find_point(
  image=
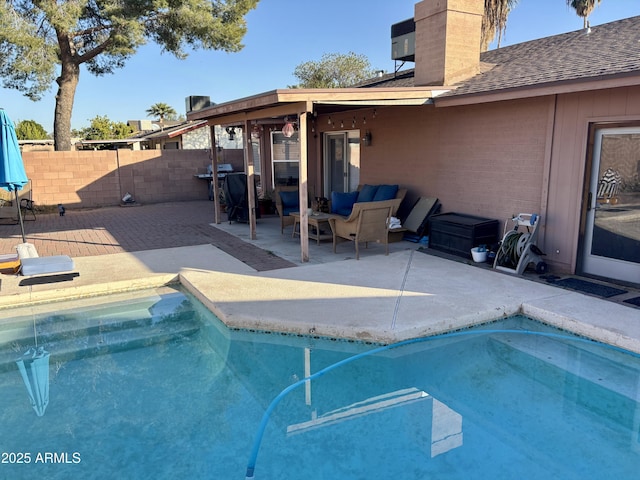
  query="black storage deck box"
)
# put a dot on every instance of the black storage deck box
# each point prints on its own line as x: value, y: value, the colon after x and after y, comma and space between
x: 458, y: 233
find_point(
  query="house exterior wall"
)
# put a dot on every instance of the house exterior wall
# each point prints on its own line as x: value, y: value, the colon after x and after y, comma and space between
x: 496, y: 159
x: 83, y: 179
x: 199, y: 138
x: 483, y: 160
x: 569, y: 160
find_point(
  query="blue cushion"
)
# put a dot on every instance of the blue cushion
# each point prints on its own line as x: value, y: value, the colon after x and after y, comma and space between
x: 385, y: 192
x: 290, y: 202
x: 367, y: 193
x: 342, y: 203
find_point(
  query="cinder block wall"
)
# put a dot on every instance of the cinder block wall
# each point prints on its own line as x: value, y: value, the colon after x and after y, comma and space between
x: 85, y: 179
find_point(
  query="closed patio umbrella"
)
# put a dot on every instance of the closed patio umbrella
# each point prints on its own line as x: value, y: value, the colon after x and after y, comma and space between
x: 34, y: 368
x: 12, y: 174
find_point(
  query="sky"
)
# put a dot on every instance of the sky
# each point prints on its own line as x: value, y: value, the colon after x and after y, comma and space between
x: 281, y: 34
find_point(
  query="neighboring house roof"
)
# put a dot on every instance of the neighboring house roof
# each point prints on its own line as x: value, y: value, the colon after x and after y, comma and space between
x: 606, y: 51
x: 168, y: 132
x: 177, y: 130
x: 46, y: 141
x: 116, y: 141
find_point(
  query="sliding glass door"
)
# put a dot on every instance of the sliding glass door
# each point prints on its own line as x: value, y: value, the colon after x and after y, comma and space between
x: 341, y: 161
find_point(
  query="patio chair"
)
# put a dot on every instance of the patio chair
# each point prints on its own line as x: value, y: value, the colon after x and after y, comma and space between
x: 287, y: 202
x: 415, y: 225
x: 9, y: 209
x: 27, y: 205
x: 368, y: 222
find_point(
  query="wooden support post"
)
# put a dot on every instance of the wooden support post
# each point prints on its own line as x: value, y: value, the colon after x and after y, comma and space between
x: 251, y: 181
x: 214, y: 173
x: 303, y: 188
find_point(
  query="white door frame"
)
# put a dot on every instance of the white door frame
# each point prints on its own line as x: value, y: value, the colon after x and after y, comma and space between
x: 595, y: 264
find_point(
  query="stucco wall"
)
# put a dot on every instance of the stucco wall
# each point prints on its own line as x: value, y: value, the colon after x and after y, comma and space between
x: 569, y: 160
x: 199, y: 138
x: 82, y: 179
x: 483, y: 160
x: 494, y: 159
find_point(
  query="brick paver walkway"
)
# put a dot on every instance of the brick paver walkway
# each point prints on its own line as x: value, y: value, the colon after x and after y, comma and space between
x: 108, y: 230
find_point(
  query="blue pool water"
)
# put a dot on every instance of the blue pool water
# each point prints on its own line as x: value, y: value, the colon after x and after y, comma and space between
x: 154, y: 386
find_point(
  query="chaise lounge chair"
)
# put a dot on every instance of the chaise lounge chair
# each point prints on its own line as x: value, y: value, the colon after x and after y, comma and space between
x: 415, y: 225
x: 368, y: 222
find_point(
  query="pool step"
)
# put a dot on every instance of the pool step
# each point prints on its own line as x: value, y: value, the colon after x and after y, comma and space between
x: 69, y: 343
x: 90, y: 320
x: 588, y: 362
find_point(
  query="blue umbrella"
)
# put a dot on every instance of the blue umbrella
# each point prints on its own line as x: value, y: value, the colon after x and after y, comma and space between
x: 12, y: 174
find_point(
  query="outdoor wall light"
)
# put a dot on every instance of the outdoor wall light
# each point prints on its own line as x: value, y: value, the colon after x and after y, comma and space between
x: 231, y: 131
x: 366, y: 139
x: 288, y: 129
x: 255, y: 132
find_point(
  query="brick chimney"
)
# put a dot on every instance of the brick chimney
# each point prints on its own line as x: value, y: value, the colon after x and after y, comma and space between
x: 447, y: 40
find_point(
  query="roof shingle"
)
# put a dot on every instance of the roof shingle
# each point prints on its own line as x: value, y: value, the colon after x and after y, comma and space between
x: 603, y: 51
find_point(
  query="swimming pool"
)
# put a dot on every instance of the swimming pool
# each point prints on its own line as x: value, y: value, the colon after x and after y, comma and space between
x: 154, y: 386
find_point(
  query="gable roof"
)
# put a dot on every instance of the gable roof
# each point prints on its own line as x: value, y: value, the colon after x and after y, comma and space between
x: 603, y: 52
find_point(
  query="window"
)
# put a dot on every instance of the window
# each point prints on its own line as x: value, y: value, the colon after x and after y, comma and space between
x: 285, y: 159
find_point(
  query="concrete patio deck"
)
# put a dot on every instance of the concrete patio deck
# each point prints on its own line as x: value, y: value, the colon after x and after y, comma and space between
x: 262, y: 283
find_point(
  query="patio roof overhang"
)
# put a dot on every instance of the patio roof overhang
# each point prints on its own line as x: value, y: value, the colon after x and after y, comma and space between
x: 277, y: 104
x: 280, y: 103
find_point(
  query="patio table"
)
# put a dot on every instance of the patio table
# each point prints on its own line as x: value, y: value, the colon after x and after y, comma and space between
x: 319, y: 221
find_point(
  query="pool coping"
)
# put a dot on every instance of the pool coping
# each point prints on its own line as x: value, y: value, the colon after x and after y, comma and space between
x: 381, y: 299
x: 409, y: 301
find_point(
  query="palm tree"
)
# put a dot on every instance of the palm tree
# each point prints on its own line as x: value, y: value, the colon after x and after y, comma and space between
x: 494, y: 21
x: 162, y: 111
x: 583, y: 8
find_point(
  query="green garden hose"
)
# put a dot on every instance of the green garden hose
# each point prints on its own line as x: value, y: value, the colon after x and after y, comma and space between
x: 509, y: 248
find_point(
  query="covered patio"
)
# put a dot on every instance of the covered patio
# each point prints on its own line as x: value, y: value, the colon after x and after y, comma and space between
x: 287, y: 246
x: 303, y: 109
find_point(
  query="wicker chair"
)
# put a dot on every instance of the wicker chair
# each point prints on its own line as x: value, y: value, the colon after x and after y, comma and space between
x: 368, y: 222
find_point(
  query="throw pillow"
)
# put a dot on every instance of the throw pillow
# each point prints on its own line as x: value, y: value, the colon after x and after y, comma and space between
x: 367, y: 193
x: 342, y: 203
x: 385, y: 192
